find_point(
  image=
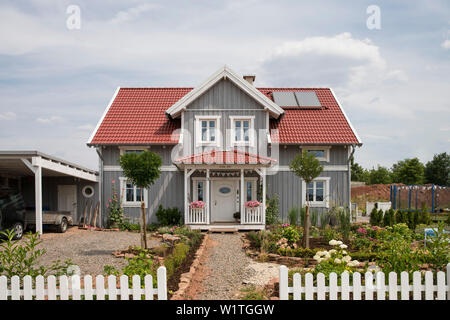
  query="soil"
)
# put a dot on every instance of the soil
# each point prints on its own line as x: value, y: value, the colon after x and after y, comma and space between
x: 174, y: 280
x: 196, y: 285
x: 381, y: 192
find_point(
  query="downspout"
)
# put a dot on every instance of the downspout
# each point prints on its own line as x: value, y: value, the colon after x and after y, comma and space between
x: 100, y: 184
x: 349, y: 170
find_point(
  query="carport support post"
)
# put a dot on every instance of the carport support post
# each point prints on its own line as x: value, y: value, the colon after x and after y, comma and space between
x: 38, y: 198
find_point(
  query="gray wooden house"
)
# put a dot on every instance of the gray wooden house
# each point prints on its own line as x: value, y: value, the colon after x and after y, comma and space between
x: 225, y: 143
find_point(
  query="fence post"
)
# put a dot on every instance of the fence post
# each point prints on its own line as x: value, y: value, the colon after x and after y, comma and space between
x: 162, y: 283
x: 409, y: 198
x: 284, y: 294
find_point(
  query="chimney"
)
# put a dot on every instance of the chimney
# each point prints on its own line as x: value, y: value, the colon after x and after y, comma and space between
x: 250, y: 78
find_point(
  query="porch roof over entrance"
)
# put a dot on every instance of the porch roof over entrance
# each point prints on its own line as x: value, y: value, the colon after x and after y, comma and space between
x: 234, y: 157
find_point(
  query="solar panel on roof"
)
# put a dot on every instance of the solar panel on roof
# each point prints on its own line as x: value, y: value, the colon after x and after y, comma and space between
x: 284, y: 98
x: 307, y: 99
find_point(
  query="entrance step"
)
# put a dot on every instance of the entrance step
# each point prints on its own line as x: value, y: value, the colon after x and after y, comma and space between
x: 223, y: 230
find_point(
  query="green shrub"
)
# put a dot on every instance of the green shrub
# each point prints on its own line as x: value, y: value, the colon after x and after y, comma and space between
x: 141, y: 265
x: 388, y: 219
x: 20, y: 257
x: 298, y: 252
x: 314, y: 217
x: 169, y: 216
x: 344, y: 224
x: 272, y: 210
x: 291, y: 234
x: 177, y: 257
x: 329, y: 233
x: 293, y: 215
x: 439, y: 248
x: 375, y: 219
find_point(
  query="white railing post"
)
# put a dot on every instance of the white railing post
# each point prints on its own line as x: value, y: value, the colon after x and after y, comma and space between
x: 284, y: 294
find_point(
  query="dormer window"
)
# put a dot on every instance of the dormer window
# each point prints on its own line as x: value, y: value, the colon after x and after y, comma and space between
x: 207, y: 130
x: 242, y: 130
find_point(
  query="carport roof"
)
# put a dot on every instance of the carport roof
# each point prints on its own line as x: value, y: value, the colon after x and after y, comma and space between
x: 11, y: 163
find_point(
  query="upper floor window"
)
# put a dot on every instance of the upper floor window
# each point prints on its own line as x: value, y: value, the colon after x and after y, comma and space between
x: 207, y: 130
x: 321, y: 153
x: 132, y: 149
x: 242, y: 130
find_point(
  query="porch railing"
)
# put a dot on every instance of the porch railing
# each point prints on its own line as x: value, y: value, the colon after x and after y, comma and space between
x: 253, y: 215
x: 196, y: 216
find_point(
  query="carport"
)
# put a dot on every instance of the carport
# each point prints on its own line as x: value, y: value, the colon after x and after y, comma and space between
x: 18, y: 167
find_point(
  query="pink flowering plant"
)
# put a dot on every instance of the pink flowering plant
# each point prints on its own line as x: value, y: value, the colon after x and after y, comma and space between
x: 197, y: 205
x: 252, y: 204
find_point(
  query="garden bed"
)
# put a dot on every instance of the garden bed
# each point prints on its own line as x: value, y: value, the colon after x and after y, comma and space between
x: 173, y: 282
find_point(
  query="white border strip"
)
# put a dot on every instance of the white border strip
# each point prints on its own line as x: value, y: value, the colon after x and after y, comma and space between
x: 342, y: 167
x: 119, y: 168
x: 280, y: 168
x: 346, y: 118
x: 103, y: 116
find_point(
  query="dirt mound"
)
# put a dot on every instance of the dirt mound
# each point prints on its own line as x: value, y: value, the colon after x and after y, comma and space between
x: 376, y: 191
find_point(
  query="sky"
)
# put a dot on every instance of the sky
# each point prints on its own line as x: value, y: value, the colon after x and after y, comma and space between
x: 393, y: 81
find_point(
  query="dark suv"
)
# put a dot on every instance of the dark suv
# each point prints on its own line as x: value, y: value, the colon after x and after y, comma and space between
x: 12, y: 212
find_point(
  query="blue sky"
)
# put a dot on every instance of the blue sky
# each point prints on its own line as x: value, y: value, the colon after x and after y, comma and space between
x: 394, y: 83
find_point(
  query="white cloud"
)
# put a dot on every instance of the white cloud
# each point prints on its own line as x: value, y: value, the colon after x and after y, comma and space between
x: 87, y: 127
x: 131, y: 13
x: 49, y: 120
x: 8, y: 116
x: 446, y: 44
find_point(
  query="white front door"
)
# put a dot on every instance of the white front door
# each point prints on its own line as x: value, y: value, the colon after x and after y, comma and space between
x: 67, y: 198
x: 223, y: 200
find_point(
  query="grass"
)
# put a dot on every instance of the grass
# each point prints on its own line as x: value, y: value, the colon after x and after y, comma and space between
x: 254, y: 293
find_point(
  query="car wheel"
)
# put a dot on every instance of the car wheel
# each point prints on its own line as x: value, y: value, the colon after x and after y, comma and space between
x: 63, y: 225
x: 18, y: 230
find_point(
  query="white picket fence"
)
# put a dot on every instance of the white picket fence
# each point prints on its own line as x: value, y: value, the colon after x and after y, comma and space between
x: 306, y: 290
x: 72, y: 288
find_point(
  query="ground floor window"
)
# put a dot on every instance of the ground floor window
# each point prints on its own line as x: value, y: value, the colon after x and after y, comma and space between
x: 316, y: 192
x: 131, y: 195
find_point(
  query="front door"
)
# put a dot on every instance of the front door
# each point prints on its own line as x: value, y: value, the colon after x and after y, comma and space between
x: 223, y: 200
x: 67, y: 199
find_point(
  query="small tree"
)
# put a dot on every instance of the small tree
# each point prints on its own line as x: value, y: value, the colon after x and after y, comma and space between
x: 142, y: 170
x: 307, y: 167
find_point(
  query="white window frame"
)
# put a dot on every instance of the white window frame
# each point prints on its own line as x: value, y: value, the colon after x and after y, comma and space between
x: 131, y: 204
x: 198, y: 130
x: 326, y: 193
x: 195, y: 189
x: 326, y: 150
x: 137, y: 148
x: 251, y: 131
x: 254, y: 188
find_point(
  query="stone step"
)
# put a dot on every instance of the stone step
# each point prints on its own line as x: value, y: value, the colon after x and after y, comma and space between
x: 223, y: 230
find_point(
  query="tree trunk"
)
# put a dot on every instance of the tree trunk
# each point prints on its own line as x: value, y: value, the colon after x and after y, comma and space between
x: 143, y: 227
x: 306, y: 228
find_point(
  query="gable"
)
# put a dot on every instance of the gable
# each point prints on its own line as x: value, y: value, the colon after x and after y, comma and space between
x: 224, y: 73
x: 225, y: 95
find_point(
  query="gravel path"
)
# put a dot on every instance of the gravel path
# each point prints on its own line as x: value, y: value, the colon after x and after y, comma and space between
x: 229, y: 269
x: 90, y: 250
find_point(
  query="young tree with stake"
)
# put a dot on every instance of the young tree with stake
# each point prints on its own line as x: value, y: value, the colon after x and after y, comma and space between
x: 307, y: 167
x: 141, y: 169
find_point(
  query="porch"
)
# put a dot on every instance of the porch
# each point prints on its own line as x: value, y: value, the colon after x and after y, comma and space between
x: 225, y: 195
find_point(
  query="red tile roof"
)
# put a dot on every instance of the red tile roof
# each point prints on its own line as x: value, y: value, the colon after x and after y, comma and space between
x: 137, y: 116
x: 224, y: 157
x: 312, y: 126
